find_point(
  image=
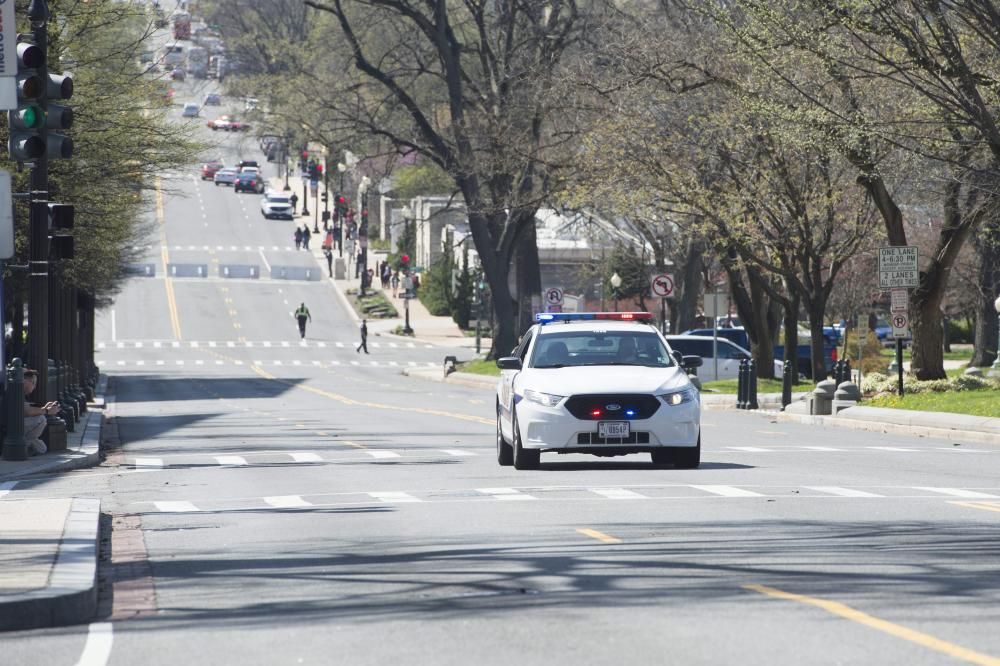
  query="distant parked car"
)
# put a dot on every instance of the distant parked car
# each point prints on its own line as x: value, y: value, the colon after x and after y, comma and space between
x: 191, y: 110
x: 730, y: 354
x: 213, y: 99
x: 225, y: 177
x: 209, y: 169
x: 249, y: 182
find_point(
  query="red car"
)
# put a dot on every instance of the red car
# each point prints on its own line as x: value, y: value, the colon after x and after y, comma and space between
x: 208, y: 169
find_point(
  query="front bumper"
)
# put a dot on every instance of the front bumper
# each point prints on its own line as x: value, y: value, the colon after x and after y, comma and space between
x: 555, y: 429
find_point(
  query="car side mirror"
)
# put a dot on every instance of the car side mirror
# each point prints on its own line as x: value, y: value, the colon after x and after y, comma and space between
x: 678, y: 357
x: 692, y: 362
x: 509, y: 363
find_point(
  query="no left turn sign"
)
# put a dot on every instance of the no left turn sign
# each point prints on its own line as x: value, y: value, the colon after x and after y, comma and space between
x: 662, y: 285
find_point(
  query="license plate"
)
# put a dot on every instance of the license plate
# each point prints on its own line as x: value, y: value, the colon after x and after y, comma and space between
x: 608, y: 429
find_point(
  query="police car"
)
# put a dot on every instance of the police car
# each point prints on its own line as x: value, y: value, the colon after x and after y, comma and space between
x: 604, y: 383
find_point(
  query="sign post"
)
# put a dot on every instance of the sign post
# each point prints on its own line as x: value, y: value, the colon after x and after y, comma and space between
x: 662, y: 286
x: 899, y: 271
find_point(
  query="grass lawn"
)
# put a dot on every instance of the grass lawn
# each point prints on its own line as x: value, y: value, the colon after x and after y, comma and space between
x: 954, y: 355
x: 976, y: 403
x: 480, y: 367
x: 763, y: 386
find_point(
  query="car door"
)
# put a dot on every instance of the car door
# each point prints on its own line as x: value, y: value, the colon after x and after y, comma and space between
x: 729, y: 359
x: 507, y: 378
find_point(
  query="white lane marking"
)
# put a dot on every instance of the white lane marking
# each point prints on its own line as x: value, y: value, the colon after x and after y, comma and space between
x: 211, y: 343
x: 393, y: 345
x: 321, y: 345
x: 382, y: 454
x: 114, y: 327
x: 180, y: 362
x: 101, y: 345
x: 376, y: 344
x: 6, y: 487
x: 296, y: 362
x: 305, y: 457
x: 194, y: 345
x: 749, y: 449
x: 277, y: 362
x: 267, y: 344
x: 264, y: 259
x: 248, y: 344
x: 157, y: 345
x: 393, y: 363
x: 394, y: 497
x: 175, y: 507
x: 199, y: 362
x: 458, y: 452
x: 617, y: 493
x: 287, y: 501
x: 505, y: 494
x: 285, y: 343
x: 231, y: 460
x: 889, y: 448
x: 959, y: 449
x: 218, y: 362
x: 175, y: 344
x: 316, y: 363
x: 958, y: 492
x: 355, y: 363
x: 154, y: 463
x: 821, y: 448
x: 120, y: 345
x: 97, y: 649
x: 410, y: 345
x: 121, y: 362
x: 340, y: 345
x: 728, y: 491
x: 428, y: 346
x: 843, y: 492
x: 230, y: 343
x: 140, y: 363
x: 413, y: 363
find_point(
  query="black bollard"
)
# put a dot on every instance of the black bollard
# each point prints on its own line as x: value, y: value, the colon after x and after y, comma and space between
x: 848, y: 376
x: 14, y: 446
x: 787, y: 379
x: 752, y: 386
x: 741, y: 386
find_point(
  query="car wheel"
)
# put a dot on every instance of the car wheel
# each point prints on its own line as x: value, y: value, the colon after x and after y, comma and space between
x: 682, y: 457
x: 505, y: 453
x: 523, y: 458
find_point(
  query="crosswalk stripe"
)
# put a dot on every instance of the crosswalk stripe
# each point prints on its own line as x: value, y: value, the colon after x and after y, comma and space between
x: 505, y: 494
x: 231, y: 460
x: 958, y: 492
x: 321, y: 345
x: 306, y: 457
x: 843, y: 492
x: 194, y: 344
x: 340, y: 344
x: 285, y: 343
x: 175, y: 507
x: 458, y: 452
x: 617, y: 493
x: 890, y: 448
x: 100, y: 345
x: 821, y: 448
x: 728, y: 491
x: 287, y: 501
x: 394, y: 497
x: 382, y: 454
x: 155, y: 463
x: 230, y: 344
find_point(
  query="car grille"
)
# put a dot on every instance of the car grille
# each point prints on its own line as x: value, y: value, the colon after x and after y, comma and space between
x: 583, y: 406
x: 593, y: 438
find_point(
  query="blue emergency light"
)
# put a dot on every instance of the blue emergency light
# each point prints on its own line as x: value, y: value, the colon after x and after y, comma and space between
x: 553, y: 317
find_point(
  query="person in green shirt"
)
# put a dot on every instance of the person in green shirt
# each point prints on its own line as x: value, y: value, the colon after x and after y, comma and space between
x: 302, y: 314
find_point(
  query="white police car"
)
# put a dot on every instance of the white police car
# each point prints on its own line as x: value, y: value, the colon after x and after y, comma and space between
x: 604, y: 383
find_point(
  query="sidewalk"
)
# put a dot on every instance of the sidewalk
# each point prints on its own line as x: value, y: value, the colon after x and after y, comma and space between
x: 442, y: 331
x: 48, y: 565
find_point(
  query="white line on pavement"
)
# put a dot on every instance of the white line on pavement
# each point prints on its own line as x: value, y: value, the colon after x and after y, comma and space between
x: 97, y: 649
x: 618, y: 493
x: 505, y: 494
x: 287, y: 501
x: 306, y: 457
x: 890, y: 448
x: 382, y: 454
x: 175, y: 507
x: 394, y: 497
x: 958, y: 492
x: 231, y: 460
x: 843, y: 492
x: 728, y: 491
x: 154, y: 463
x: 458, y: 452
x: 264, y: 259
x: 749, y: 449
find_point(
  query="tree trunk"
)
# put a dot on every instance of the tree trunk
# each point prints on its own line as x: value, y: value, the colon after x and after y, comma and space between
x: 986, y: 338
x: 694, y: 264
x: 528, y: 275
x: 791, y: 330
x: 753, y: 305
x: 816, y: 340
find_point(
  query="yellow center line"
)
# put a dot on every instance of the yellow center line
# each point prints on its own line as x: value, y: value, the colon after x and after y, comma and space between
x: 175, y: 321
x: 985, y: 506
x: 600, y: 536
x: 891, y: 628
x: 375, y: 405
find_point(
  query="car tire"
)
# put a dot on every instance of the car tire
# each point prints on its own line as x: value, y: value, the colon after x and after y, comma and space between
x: 505, y: 452
x: 682, y: 457
x: 523, y: 458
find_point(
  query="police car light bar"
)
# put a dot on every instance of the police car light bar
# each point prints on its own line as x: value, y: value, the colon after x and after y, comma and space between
x: 552, y: 317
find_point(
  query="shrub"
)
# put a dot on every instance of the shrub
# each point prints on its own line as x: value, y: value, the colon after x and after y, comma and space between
x: 970, y: 383
x: 871, y: 361
x: 959, y: 331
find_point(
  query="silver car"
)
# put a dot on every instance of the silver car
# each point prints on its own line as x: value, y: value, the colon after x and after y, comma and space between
x: 225, y: 176
x: 276, y: 205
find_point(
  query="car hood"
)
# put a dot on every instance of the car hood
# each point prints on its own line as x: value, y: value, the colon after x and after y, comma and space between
x: 604, y: 379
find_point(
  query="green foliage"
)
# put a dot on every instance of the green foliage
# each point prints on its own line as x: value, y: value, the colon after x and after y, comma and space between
x: 435, y: 287
x: 480, y: 367
x: 625, y: 261
x: 422, y: 179
x: 977, y: 403
x: 871, y: 352
x: 373, y: 305
x: 960, y: 331
x: 464, y: 287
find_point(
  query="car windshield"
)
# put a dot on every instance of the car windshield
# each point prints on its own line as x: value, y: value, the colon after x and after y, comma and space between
x: 277, y: 198
x: 581, y: 348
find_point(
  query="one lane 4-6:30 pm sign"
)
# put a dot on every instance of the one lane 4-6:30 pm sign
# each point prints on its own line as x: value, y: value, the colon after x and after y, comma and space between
x: 898, y: 267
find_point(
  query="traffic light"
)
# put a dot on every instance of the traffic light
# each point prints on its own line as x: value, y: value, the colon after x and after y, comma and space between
x: 34, y: 116
x: 324, y: 197
x: 313, y: 171
x: 60, y: 224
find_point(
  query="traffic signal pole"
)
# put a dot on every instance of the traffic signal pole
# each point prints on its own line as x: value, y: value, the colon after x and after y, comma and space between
x: 38, y: 222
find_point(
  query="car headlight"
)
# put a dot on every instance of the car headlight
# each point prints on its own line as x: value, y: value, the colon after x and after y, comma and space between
x: 546, y: 399
x: 680, y: 397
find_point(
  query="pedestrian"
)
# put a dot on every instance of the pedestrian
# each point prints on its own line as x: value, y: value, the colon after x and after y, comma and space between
x: 328, y: 253
x: 416, y: 282
x: 35, y: 417
x: 364, y: 337
x: 358, y: 261
x: 371, y: 277
x: 298, y: 238
x: 302, y: 313
x: 328, y: 240
x: 395, y: 284
x: 295, y: 201
x: 305, y: 237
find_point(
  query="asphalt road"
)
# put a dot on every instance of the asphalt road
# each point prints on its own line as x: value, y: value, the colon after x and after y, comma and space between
x: 314, y: 511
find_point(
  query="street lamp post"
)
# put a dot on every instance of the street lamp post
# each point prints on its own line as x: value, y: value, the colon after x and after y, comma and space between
x: 616, y: 281
x: 285, y: 159
x: 363, y: 230
x: 338, y: 212
x: 995, y: 370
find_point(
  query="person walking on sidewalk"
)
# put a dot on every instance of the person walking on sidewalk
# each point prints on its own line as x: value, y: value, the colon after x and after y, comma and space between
x: 364, y: 337
x: 328, y: 253
x: 302, y: 314
x: 395, y: 284
x: 34, y: 417
x: 306, y: 234
x: 298, y: 238
x: 294, y: 199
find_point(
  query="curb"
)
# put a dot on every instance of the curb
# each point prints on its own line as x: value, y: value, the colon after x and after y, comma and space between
x: 71, y: 596
x: 892, y: 428
x: 463, y: 378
